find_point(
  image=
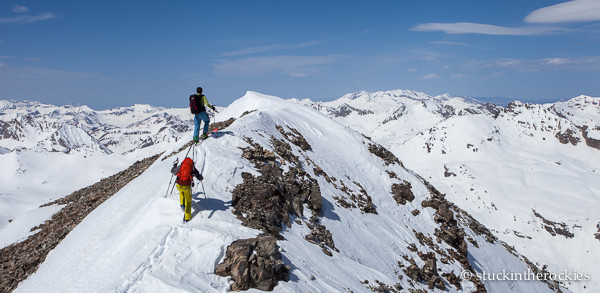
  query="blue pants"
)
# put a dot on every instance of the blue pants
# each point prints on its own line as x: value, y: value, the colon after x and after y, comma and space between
x: 200, y: 116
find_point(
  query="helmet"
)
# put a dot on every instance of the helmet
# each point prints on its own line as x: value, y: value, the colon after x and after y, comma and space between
x: 199, y: 90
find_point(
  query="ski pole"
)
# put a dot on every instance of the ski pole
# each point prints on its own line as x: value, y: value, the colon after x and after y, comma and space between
x: 186, y: 154
x: 171, y: 180
x: 169, y: 187
x: 214, y: 120
x: 203, y: 190
x: 172, y: 188
x: 193, y: 167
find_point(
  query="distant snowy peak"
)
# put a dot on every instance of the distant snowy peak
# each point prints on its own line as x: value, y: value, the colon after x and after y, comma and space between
x: 37, y: 108
x: 67, y: 128
x: 70, y: 137
x: 363, y: 95
x: 390, y: 102
x: 583, y: 109
x: 571, y: 122
x: 406, y: 113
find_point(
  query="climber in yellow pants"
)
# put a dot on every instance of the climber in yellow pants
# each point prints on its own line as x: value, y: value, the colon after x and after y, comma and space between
x: 185, y: 201
x: 185, y: 173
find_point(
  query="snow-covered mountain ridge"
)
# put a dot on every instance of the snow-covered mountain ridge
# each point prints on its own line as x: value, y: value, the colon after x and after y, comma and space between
x: 388, y: 229
x: 529, y: 172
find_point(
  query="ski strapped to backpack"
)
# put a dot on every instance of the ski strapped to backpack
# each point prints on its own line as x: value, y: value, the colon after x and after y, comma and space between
x: 197, y: 103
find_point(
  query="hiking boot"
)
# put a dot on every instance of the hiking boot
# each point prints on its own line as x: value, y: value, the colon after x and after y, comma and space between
x: 185, y: 221
x: 204, y: 136
x: 196, y: 139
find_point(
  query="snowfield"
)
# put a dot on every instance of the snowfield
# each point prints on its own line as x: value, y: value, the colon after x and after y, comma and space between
x: 136, y: 241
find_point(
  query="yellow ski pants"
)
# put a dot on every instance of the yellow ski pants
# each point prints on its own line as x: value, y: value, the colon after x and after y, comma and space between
x: 185, y: 197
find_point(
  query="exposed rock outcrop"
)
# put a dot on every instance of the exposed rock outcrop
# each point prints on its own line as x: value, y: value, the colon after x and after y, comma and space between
x: 254, y: 263
x: 567, y: 137
x: 387, y: 156
x: 590, y: 141
x: 428, y: 274
x: 450, y: 232
x: 223, y: 124
x: 295, y: 137
x: 381, y: 287
x: 320, y: 236
x: 554, y: 228
x: 402, y: 193
x: 268, y: 201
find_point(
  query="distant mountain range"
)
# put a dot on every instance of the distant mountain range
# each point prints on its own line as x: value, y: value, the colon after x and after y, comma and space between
x: 32, y: 125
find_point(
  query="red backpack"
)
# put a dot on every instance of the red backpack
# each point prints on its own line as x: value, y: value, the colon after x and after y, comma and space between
x: 184, y: 176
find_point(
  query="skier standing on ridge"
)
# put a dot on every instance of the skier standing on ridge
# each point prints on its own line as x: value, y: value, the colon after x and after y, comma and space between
x: 198, y: 102
x: 185, y: 173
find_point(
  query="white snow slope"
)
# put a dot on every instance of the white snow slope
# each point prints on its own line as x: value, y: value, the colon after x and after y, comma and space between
x: 135, y: 241
x: 502, y: 165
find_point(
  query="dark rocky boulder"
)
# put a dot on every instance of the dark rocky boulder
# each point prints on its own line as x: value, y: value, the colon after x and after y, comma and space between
x: 254, y: 263
x: 402, y: 193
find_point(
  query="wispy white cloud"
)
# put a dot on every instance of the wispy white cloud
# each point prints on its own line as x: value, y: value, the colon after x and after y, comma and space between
x: 19, y: 8
x: 458, y: 75
x: 279, y: 64
x: 571, y: 11
x: 449, y: 43
x: 486, y: 29
x: 23, y: 19
x: 557, y: 61
x: 413, y: 70
x: 591, y: 63
x: 270, y: 48
x: 508, y: 63
x: 430, y: 76
x: 295, y: 74
x: 427, y: 55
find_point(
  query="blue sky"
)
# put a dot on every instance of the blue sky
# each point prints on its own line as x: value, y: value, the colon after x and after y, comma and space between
x: 117, y: 53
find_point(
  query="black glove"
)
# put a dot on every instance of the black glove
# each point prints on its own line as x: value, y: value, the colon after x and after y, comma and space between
x: 213, y: 108
x: 200, y: 177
